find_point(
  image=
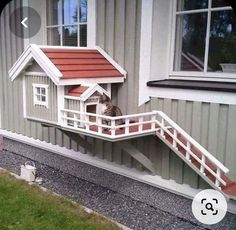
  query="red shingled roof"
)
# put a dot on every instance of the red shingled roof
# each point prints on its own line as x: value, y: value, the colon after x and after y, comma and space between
x: 77, y: 90
x: 75, y: 63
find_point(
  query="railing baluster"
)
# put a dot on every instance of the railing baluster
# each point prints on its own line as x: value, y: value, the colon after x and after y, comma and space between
x: 174, y: 141
x: 127, y: 126
x: 202, y: 168
x: 218, y: 173
x: 163, y: 124
x: 75, y: 122
x: 153, y: 124
x: 86, y: 122
x: 113, y: 129
x: 99, y: 122
x: 187, y: 152
x: 140, y: 126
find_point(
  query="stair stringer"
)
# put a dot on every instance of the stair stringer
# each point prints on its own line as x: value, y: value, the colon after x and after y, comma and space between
x: 189, y: 163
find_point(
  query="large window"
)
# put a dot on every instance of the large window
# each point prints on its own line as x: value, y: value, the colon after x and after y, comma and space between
x: 205, y: 37
x: 67, y: 22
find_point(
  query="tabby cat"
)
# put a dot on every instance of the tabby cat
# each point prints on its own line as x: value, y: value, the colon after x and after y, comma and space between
x: 108, y: 109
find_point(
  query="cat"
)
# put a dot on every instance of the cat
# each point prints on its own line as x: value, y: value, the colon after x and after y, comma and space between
x: 108, y: 109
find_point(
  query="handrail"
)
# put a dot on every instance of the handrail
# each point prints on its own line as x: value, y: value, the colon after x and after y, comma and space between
x: 193, y: 142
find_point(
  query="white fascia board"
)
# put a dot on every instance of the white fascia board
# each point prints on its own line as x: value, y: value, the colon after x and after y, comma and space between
x: 145, y: 50
x: 46, y: 64
x: 65, y: 47
x: 20, y: 64
x: 91, y: 90
x: 112, y: 61
x: 89, y: 81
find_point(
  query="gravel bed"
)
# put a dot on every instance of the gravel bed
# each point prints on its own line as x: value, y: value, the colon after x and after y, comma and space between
x: 123, y: 207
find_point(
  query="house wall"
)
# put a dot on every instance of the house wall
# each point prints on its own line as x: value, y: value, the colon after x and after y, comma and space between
x: 38, y: 111
x: 118, y: 32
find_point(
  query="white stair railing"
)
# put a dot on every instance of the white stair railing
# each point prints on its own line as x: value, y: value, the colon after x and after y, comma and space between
x: 166, y: 124
x: 146, y: 123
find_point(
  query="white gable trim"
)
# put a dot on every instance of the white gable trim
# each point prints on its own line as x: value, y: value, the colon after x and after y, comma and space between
x: 34, y: 52
x: 111, y: 60
x: 91, y: 90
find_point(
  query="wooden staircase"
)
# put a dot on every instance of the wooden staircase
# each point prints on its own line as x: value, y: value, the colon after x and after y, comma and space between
x: 197, y: 157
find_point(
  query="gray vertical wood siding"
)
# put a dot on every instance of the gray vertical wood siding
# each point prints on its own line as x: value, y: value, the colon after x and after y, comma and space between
x: 118, y: 32
x: 38, y: 111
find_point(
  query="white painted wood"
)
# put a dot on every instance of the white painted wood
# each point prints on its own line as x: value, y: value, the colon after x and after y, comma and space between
x: 35, y: 100
x: 84, y: 81
x: 193, y: 95
x: 41, y: 74
x: 91, y: 24
x: 24, y: 97
x: 145, y: 49
x: 61, y: 103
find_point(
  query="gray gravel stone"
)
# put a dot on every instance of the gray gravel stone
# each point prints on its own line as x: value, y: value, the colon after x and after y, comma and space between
x: 137, y: 205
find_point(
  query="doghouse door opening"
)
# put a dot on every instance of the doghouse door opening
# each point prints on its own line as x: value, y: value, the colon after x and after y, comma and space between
x: 92, y: 109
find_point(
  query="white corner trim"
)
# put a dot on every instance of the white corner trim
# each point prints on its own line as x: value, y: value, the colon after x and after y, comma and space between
x: 156, y: 181
x: 145, y: 49
x: 60, y: 103
x: 24, y: 97
x: 112, y: 61
x: 91, y: 24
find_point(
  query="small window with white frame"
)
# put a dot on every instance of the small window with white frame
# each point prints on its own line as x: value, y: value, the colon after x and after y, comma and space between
x: 204, y: 44
x: 40, y: 92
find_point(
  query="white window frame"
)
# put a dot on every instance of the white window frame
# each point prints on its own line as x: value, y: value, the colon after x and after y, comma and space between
x: 78, y: 24
x: 194, y: 75
x: 35, y: 94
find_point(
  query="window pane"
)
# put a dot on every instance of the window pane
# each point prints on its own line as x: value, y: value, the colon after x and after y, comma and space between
x: 43, y: 91
x: 70, y: 11
x: 83, y: 11
x: 222, y: 47
x: 54, y: 12
x: 191, y: 4
x: 43, y: 99
x: 38, y: 98
x: 70, y: 36
x: 38, y: 90
x: 220, y: 3
x: 83, y: 35
x: 53, y: 36
x: 190, y: 42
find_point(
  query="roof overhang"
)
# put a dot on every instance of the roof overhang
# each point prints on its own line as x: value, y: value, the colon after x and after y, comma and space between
x: 35, y: 52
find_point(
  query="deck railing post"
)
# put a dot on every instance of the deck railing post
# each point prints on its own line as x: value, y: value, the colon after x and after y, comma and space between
x: 113, y: 128
x: 75, y: 121
x: 187, y: 151
x: 99, y: 121
x: 162, y: 126
x: 174, y: 141
x: 86, y: 121
x: 153, y: 124
x: 126, y: 125
x: 202, y: 168
x: 218, y: 173
x: 140, y: 126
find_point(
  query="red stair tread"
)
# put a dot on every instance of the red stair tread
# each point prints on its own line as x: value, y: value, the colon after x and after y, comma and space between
x: 230, y: 189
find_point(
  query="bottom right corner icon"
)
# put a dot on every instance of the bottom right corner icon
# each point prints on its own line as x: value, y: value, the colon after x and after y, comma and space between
x: 209, y: 206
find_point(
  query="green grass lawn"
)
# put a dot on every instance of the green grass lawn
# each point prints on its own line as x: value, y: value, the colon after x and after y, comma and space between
x: 24, y: 206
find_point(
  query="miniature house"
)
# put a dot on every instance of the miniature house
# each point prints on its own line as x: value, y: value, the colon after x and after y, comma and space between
x: 56, y: 78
